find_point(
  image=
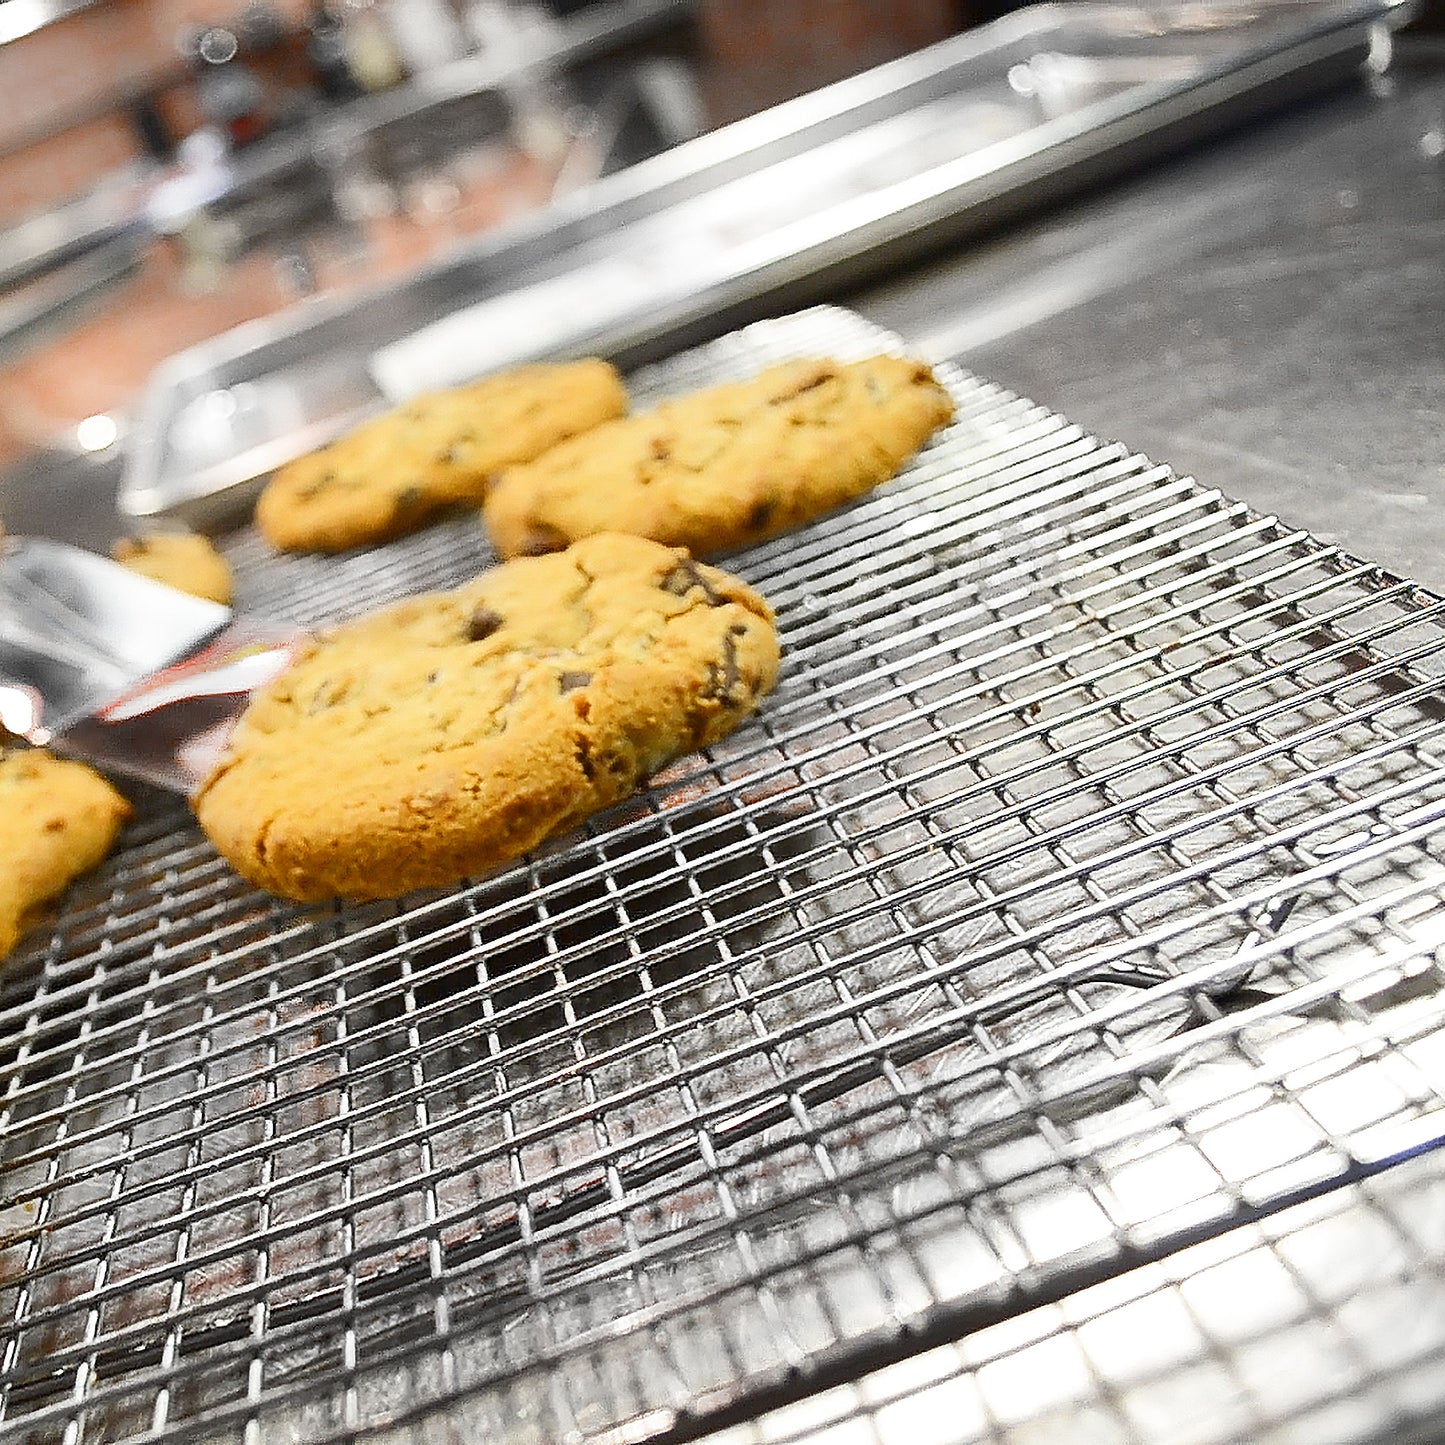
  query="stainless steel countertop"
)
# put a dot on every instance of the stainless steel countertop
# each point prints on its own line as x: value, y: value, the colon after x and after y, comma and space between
x: 1267, y: 312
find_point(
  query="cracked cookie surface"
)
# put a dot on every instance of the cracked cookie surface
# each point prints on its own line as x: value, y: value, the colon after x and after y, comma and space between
x: 182, y: 560
x: 58, y: 819
x: 393, y: 474
x: 455, y: 731
x: 728, y: 466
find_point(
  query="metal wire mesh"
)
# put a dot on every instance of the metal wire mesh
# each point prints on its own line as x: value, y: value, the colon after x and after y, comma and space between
x: 1077, y: 896
x: 1322, y: 1322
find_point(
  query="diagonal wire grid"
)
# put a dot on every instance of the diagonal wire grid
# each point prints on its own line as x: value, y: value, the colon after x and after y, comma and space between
x: 1320, y: 1322
x: 1076, y: 895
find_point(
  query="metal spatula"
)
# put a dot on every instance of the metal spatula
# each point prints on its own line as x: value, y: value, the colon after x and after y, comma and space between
x: 121, y: 671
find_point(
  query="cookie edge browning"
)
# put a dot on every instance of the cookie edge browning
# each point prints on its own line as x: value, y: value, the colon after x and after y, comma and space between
x: 90, y: 813
x: 520, y: 525
x: 200, y: 571
x: 647, y: 716
x: 276, y: 517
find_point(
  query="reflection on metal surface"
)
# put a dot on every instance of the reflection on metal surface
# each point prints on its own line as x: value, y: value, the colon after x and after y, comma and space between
x: 1322, y: 1323
x: 20, y: 711
x: 42, y: 242
x: 36, y: 309
x: 79, y: 629
x: 132, y: 676
x: 925, y: 148
x: 96, y: 433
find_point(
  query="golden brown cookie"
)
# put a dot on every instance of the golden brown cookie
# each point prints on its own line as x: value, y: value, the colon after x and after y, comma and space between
x: 727, y: 466
x: 455, y: 731
x: 181, y: 560
x: 393, y: 474
x: 57, y: 821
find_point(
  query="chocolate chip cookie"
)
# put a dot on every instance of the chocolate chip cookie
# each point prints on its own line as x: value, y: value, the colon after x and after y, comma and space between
x: 393, y: 474
x: 728, y: 466
x: 455, y: 731
x: 57, y: 820
x: 182, y: 560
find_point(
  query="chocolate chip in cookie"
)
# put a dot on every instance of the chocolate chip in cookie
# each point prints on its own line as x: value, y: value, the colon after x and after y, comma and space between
x: 483, y: 623
x: 686, y: 577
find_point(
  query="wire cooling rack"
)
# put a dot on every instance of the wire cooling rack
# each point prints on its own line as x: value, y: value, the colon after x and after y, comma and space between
x: 1322, y: 1322
x: 1075, y: 899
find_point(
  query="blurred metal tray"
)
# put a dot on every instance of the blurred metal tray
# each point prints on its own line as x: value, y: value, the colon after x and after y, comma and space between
x: 836, y: 184
x: 1077, y: 898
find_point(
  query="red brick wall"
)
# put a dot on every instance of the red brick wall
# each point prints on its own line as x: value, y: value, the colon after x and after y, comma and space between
x: 765, y: 51
x: 64, y: 165
x: 62, y: 124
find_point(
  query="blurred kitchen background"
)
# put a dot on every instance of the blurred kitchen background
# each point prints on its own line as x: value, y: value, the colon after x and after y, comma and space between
x: 170, y: 169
